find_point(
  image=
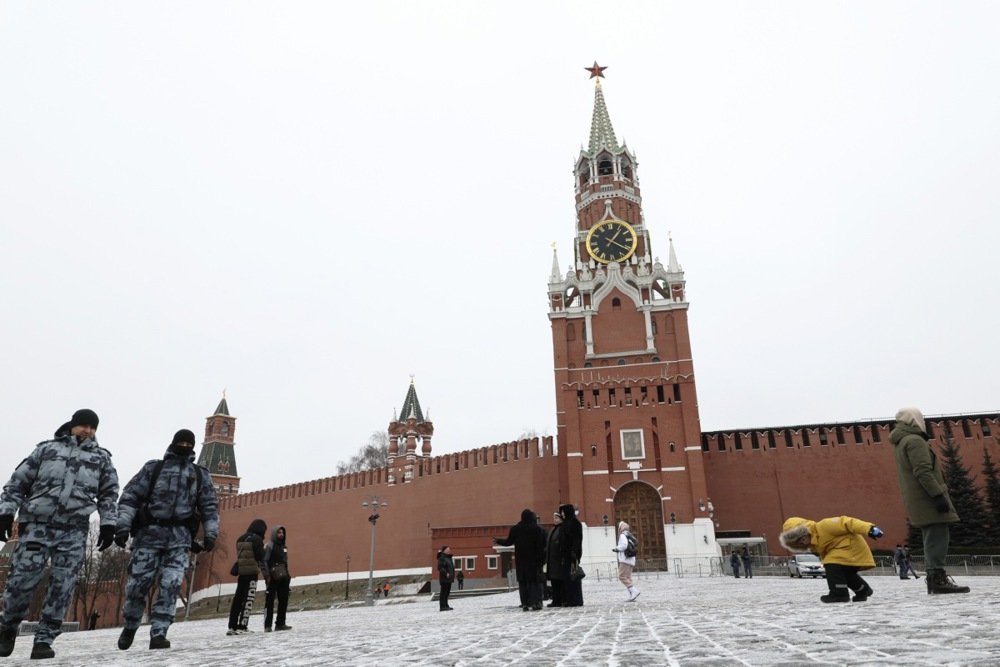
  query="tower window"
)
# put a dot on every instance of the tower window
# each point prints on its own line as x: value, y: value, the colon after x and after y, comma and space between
x: 579, y: 398
x: 593, y: 450
x: 604, y: 168
x: 660, y: 397
x: 611, y: 396
x: 621, y: 362
x: 652, y: 322
x: 627, y: 169
x: 616, y: 304
x: 677, y: 393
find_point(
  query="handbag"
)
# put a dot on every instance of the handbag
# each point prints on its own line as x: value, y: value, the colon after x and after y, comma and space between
x: 279, y: 573
x: 576, y: 572
x: 235, y: 569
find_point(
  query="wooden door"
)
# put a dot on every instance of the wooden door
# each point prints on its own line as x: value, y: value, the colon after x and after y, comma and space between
x: 639, y: 505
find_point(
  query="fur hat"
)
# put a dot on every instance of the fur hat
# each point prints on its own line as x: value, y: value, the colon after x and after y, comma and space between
x: 911, y: 417
x: 795, y: 535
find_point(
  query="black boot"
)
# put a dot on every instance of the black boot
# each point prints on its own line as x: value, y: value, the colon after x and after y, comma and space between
x: 938, y: 582
x: 836, y: 596
x: 41, y: 651
x: 125, y: 638
x: 863, y: 594
x: 7, y: 638
x: 159, y: 641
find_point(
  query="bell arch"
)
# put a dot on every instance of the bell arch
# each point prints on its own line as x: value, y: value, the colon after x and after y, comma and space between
x: 638, y: 504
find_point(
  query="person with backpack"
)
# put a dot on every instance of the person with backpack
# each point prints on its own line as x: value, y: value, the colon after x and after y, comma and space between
x: 162, y: 508
x: 626, y: 550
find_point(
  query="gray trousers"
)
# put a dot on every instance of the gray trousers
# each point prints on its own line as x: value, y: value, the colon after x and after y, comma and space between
x: 937, y: 536
x: 165, y: 566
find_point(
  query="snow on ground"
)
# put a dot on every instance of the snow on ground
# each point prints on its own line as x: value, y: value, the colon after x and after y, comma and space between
x: 771, y: 621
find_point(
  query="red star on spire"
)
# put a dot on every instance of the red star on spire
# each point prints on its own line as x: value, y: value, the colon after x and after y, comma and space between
x: 596, y: 70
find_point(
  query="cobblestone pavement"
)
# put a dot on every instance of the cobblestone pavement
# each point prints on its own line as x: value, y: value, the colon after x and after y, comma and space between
x: 676, y: 621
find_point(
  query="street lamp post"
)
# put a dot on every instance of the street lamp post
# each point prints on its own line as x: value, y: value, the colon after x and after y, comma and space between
x: 374, y: 506
x: 347, y: 585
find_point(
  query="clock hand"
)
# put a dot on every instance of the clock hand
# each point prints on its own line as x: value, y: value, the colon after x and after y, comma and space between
x: 620, y: 245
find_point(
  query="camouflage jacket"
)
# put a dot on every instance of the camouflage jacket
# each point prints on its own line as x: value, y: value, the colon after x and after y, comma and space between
x: 175, y: 497
x: 62, y: 482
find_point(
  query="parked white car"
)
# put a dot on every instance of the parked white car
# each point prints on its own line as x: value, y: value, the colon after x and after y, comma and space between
x: 806, y: 564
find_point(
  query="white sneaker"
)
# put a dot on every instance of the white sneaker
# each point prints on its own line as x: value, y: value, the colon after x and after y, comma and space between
x: 633, y: 596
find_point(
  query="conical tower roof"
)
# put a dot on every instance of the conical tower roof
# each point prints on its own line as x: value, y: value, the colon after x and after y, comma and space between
x: 411, y: 405
x: 602, y: 134
x: 223, y: 408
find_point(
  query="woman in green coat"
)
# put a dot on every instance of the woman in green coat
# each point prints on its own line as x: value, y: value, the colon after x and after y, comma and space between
x: 925, y: 496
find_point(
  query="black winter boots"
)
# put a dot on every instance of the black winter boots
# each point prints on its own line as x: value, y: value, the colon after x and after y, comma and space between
x: 159, y: 641
x: 125, y: 638
x: 42, y: 651
x: 7, y: 638
x: 938, y: 582
x: 863, y: 594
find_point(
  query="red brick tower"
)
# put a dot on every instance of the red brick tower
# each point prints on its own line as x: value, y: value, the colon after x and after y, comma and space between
x: 405, y: 433
x: 627, y: 410
x: 217, y: 451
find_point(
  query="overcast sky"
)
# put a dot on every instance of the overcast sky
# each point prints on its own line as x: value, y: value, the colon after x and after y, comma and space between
x: 305, y: 203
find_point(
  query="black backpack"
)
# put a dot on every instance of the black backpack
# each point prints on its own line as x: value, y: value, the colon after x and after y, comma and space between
x: 631, y: 546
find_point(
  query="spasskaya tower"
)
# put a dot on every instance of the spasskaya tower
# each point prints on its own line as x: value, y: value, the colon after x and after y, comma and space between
x: 627, y: 409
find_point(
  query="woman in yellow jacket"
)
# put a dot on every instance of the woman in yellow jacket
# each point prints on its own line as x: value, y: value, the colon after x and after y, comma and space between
x: 841, y: 546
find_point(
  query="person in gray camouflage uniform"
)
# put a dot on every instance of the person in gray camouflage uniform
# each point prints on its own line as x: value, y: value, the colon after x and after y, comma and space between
x: 54, y: 491
x: 168, y: 517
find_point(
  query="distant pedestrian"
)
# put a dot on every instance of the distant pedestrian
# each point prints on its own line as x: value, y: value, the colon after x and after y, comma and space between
x: 899, y: 556
x: 54, y: 491
x: 249, y: 565
x: 385, y: 589
x: 528, y: 540
x: 571, y: 546
x: 554, y: 571
x: 446, y: 573
x: 460, y: 578
x: 909, y: 563
x: 162, y: 508
x: 747, y: 562
x: 92, y: 620
x: 626, y: 559
x: 276, y: 558
x: 734, y: 562
x: 925, y: 496
x: 841, y: 546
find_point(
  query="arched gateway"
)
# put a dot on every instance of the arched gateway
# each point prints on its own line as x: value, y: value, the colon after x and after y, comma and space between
x: 639, y: 505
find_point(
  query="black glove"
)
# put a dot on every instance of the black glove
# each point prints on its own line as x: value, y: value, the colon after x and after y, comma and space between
x: 197, y: 547
x: 106, y: 538
x: 941, y: 504
x: 6, y: 526
x: 209, y: 543
x: 121, y: 538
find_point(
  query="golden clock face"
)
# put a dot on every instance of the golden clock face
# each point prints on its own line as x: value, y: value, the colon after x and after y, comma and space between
x: 611, y: 241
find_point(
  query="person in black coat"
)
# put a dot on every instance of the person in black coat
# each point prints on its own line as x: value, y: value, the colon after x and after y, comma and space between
x: 554, y: 570
x: 446, y: 574
x: 571, y: 549
x: 249, y: 565
x: 528, y: 539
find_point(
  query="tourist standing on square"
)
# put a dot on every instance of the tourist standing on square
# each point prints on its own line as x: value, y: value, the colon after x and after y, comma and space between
x: 925, y: 496
x: 446, y: 574
x: 571, y: 547
x: 276, y: 557
x: 555, y: 572
x: 53, y: 492
x: 734, y: 562
x: 747, y: 562
x: 249, y: 564
x: 528, y: 540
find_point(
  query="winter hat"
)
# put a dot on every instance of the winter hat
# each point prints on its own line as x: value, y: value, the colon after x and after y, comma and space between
x: 258, y: 527
x: 557, y: 515
x: 911, y: 417
x: 183, y: 436
x: 567, y: 512
x: 527, y: 515
x: 795, y: 535
x: 622, y: 526
x: 84, y: 417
